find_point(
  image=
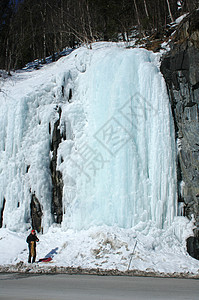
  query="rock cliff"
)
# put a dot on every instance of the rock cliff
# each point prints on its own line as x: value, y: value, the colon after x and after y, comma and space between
x: 180, y: 68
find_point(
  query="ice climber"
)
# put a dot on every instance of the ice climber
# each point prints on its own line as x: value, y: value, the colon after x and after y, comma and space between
x: 31, y: 240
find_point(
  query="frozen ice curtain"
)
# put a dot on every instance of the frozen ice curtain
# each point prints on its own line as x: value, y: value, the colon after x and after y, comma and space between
x: 117, y: 159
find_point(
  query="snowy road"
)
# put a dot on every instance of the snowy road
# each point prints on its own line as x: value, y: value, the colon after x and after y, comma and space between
x: 86, y: 287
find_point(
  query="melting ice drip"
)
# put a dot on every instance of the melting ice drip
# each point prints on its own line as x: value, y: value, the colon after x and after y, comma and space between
x: 118, y: 159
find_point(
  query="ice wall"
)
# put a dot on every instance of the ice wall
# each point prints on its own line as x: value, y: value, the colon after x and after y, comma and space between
x: 118, y: 159
x: 121, y: 166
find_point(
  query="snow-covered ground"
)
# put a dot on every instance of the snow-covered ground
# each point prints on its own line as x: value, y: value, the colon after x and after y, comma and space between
x: 123, y: 192
x: 142, y: 248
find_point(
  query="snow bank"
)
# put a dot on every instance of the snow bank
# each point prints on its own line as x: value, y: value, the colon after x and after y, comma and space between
x: 104, y: 248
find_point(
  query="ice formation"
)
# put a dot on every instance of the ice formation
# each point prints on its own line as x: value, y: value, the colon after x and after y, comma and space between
x: 118, y: 158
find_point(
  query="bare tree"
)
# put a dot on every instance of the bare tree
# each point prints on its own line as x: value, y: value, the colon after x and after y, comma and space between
x: 39, y: 28
x: 146, y: 10
x: 169, y: 9
x: 137, y: 14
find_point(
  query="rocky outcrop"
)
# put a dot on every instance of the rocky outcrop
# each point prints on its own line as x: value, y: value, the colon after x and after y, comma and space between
x: 57, y: 181
x: 180, y: 68
x: 36, y: 213
x: 1, y: 212
x: 193, y: 246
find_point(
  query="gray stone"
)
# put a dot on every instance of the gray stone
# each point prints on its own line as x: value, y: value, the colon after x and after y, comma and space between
x: 193, y: 247
x: 57, y: 181
x: 1, y: 212
x: 180, y: 68
x: 36, y: 213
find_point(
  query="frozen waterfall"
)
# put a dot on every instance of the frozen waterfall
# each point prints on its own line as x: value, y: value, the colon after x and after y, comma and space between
x: 118, y: 158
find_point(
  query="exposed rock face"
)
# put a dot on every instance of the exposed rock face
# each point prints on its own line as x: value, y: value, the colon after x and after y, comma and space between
x: 193, y: 247
x: 1, y: 213
x: 57, y: 180
x: 180, y: 68
x: 36, y: 213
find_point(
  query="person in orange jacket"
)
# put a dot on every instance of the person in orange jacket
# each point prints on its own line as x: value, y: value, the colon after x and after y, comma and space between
x: 31, y: 240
